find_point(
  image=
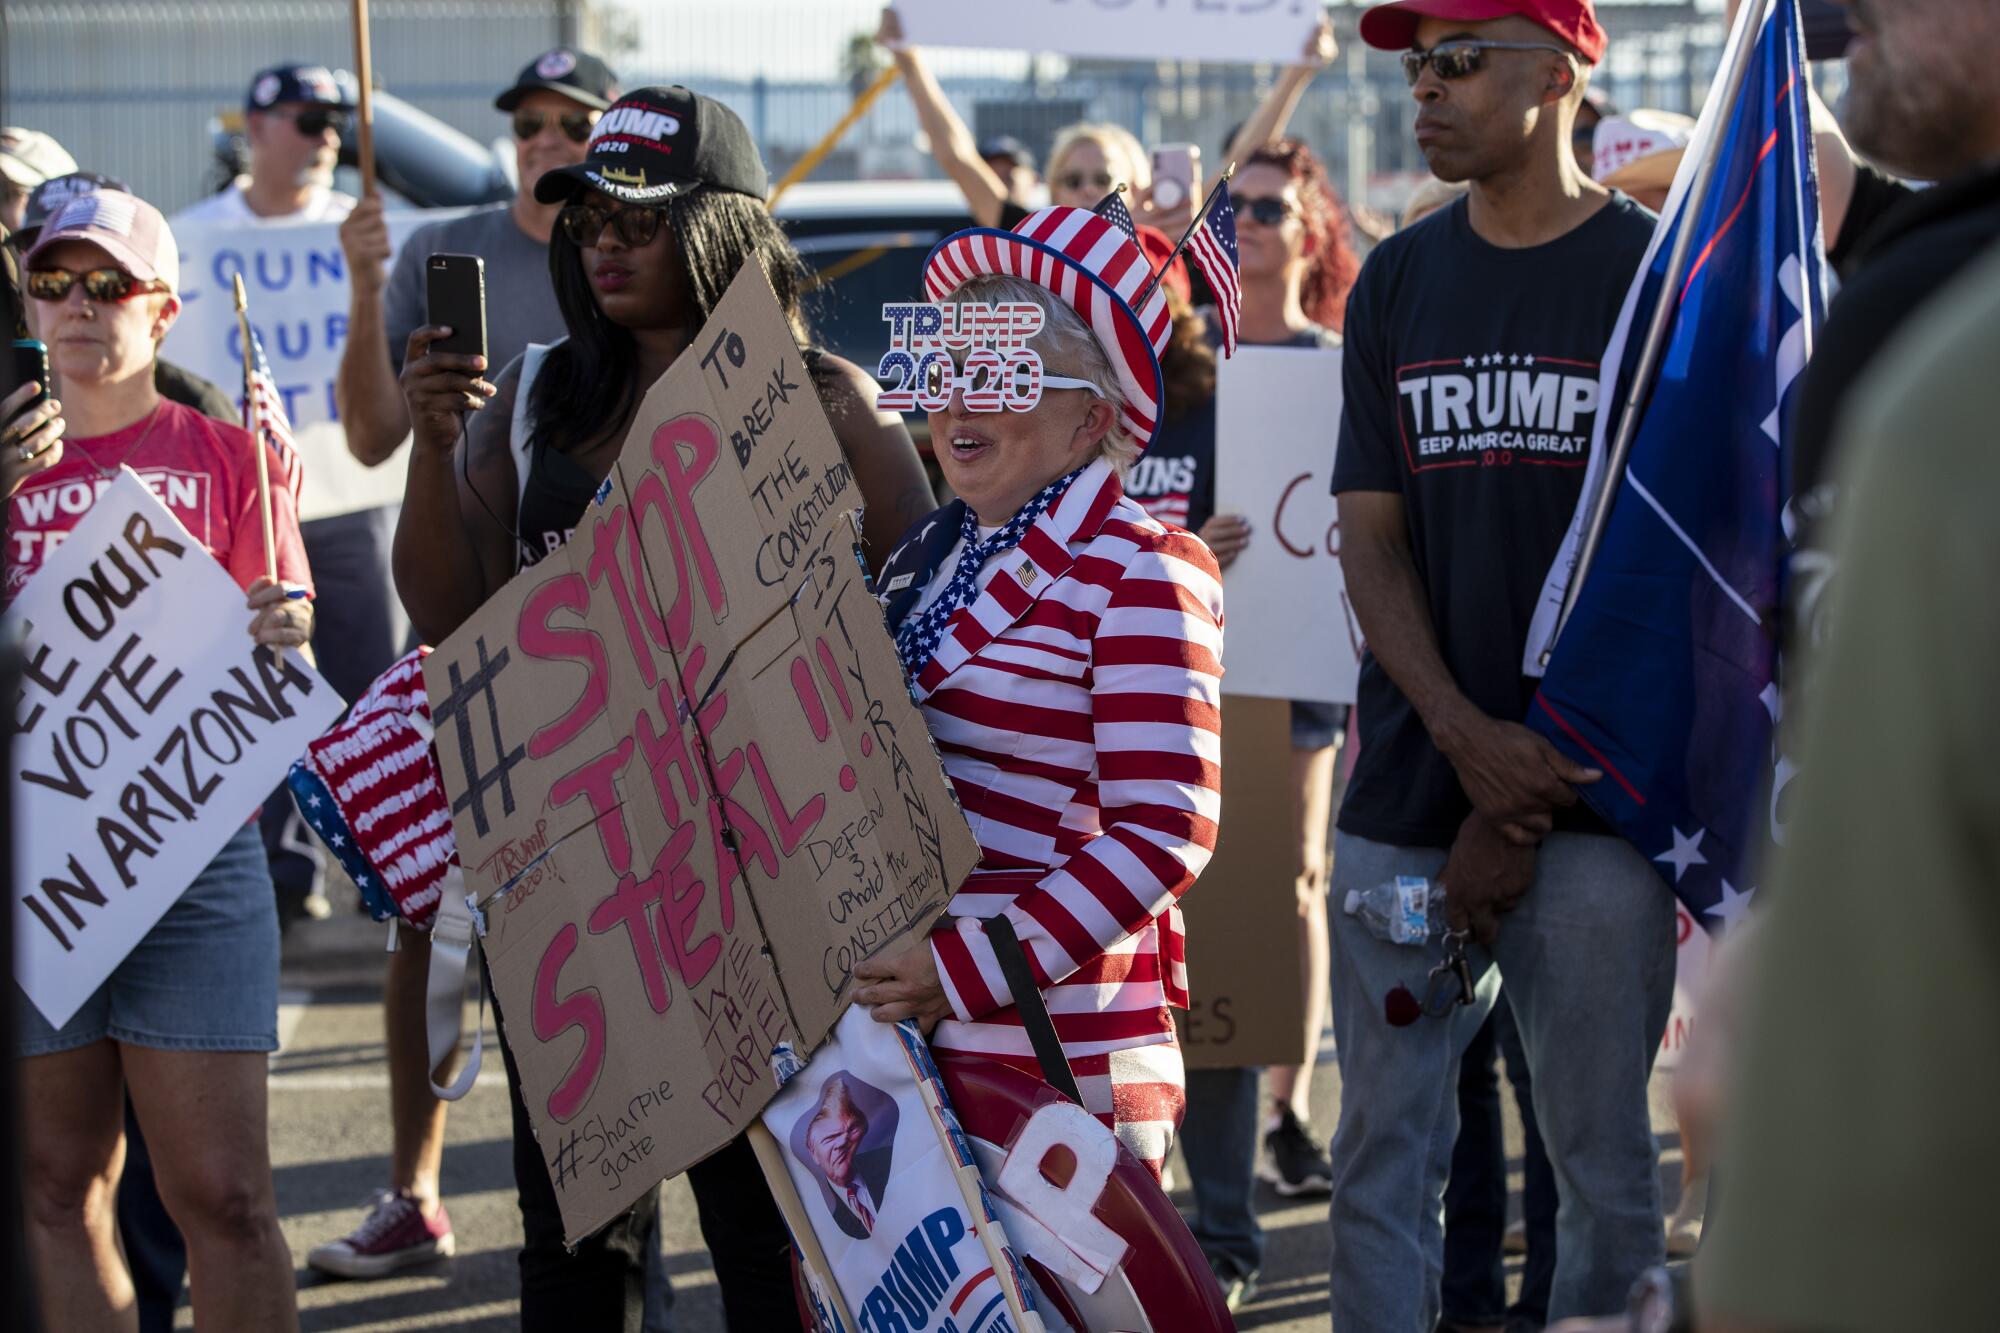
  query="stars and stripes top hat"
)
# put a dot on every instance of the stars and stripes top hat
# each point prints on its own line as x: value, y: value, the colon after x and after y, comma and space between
x: 1091, y: 260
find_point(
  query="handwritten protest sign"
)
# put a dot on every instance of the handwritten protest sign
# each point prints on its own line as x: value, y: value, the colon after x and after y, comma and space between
x: 1239, y: 31
x: 687, y: 779
x: 296, y: 278
x: 149, y: 727
x: 1292, y: 631
x: 1245, y: 974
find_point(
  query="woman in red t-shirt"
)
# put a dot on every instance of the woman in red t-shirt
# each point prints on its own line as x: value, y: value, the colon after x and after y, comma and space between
x: 185, y: 1021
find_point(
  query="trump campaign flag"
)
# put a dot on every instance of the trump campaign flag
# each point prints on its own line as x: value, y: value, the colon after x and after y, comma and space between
x: 1665, y: 673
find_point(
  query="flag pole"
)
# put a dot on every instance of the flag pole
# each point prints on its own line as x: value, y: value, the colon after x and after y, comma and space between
x: 817, y: 153
x: 1742, y: 42
x: 1146, y: 292
x: 364, y: 110
x: 258, y: 446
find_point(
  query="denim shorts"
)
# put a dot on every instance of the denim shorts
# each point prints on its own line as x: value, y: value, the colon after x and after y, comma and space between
x: 204, y: 978
x: 1316, y: 725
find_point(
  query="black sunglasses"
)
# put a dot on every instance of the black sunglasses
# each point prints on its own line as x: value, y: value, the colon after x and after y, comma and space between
x: 576, y: 124
x: 1460, y: 57
x: 106, y: 286
x: 1076, y: 180
x: 317, y: 120
x: 584, y: 224
x: 1265, y: 210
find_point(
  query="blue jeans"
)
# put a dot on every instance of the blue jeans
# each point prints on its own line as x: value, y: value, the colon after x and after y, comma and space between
x: 1589, y: 962
x: 1219, y: 1142
x: 1475, y: 1201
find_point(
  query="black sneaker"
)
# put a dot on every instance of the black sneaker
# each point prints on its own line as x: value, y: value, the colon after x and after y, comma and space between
x: 1293, y: 1163
x: 1238, y: 1287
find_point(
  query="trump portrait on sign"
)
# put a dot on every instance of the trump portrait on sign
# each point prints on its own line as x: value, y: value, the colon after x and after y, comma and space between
x: 846, y: 1141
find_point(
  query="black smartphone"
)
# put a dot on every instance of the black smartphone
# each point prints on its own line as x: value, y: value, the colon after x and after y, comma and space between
x: 31, y: 362
x: 455, y: 296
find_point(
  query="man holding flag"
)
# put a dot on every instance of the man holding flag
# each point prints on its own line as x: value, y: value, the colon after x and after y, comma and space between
x: 1471, y: 380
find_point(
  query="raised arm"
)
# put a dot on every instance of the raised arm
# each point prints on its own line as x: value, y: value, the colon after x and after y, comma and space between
x: 364, y: 388
x: 952, y: 143
x: 1275, y: 112
x: 451, y: 553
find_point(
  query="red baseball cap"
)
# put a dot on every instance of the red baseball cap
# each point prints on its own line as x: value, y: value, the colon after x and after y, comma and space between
x: 1393, y: 27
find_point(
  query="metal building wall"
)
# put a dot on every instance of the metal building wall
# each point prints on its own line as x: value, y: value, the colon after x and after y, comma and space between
x: 129, y: 88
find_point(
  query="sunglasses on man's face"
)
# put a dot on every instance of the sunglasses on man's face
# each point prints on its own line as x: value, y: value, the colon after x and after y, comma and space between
x: 1461, y: 57
x: 317, y: 120
x: 575, y: 124
x: 584, y: 224
x: 106, y: 286
x: 1076, y: 180
x: 1265, y: 210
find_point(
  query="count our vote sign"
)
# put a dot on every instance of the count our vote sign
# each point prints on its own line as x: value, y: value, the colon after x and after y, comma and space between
x: 688, y: 784
x: 148, y: 727
x: 295, y: 278
x: 1238, y: 31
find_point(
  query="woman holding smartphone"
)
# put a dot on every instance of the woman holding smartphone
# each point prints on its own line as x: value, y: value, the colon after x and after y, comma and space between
x: 502, y: 471
x: 183, y: 1024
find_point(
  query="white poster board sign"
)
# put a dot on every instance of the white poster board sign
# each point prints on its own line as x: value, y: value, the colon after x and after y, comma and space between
x: 875, y: 1176
x: 149, y: 728
x: 1249, y: 32
x: 295, y: 277
x: 1292, y: 631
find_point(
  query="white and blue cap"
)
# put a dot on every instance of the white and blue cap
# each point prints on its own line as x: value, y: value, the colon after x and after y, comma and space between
x: 315, y: 85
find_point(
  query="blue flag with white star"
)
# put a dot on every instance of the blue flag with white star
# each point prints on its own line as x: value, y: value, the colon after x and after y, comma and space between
x: 1666, y: 674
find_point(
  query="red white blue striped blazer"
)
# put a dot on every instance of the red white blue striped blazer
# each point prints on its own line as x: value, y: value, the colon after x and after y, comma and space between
x: 1076, y: 703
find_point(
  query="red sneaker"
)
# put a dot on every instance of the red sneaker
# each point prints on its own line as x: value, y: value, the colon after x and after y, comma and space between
x: 394, y: 1235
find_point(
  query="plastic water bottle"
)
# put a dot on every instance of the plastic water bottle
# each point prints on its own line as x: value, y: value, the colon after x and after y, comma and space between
x: 1398, y: 910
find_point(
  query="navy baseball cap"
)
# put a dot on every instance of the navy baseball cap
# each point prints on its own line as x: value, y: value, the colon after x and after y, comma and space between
x: 1007, y: 146
x: 49, y: 197
x: 577, y: 75
x: 313, y: 84
x: 659, y: 142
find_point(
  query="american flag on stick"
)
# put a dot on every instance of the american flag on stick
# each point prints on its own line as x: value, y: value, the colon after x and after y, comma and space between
x: 1211, y: 242
x: 1213, y: 249
x: 264, y: 411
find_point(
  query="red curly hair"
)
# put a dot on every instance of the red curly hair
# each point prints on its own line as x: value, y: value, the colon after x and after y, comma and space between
x: 1332, y: 266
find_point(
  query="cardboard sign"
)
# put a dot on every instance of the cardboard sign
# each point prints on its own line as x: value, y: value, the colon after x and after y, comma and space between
x: 295, y: 276
x: 1246, y: 979
x: 1292, y: 631
x: 1250, y: 32
x: 149, y: 727
x: 874, y: 1174
x: 688, y: 784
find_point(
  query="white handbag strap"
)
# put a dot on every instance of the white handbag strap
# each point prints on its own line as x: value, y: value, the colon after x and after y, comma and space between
x: 451, y: 957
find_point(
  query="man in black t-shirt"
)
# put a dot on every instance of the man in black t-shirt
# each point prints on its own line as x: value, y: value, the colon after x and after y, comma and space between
x: 1471, y: 380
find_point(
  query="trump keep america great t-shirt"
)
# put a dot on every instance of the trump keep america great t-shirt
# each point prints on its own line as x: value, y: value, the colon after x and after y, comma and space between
x: 1471, y: 391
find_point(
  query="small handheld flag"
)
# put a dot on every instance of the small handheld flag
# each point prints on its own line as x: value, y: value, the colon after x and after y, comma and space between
x: 1211, y: 239
x: 264, y: 411
x: 1213, y: 250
